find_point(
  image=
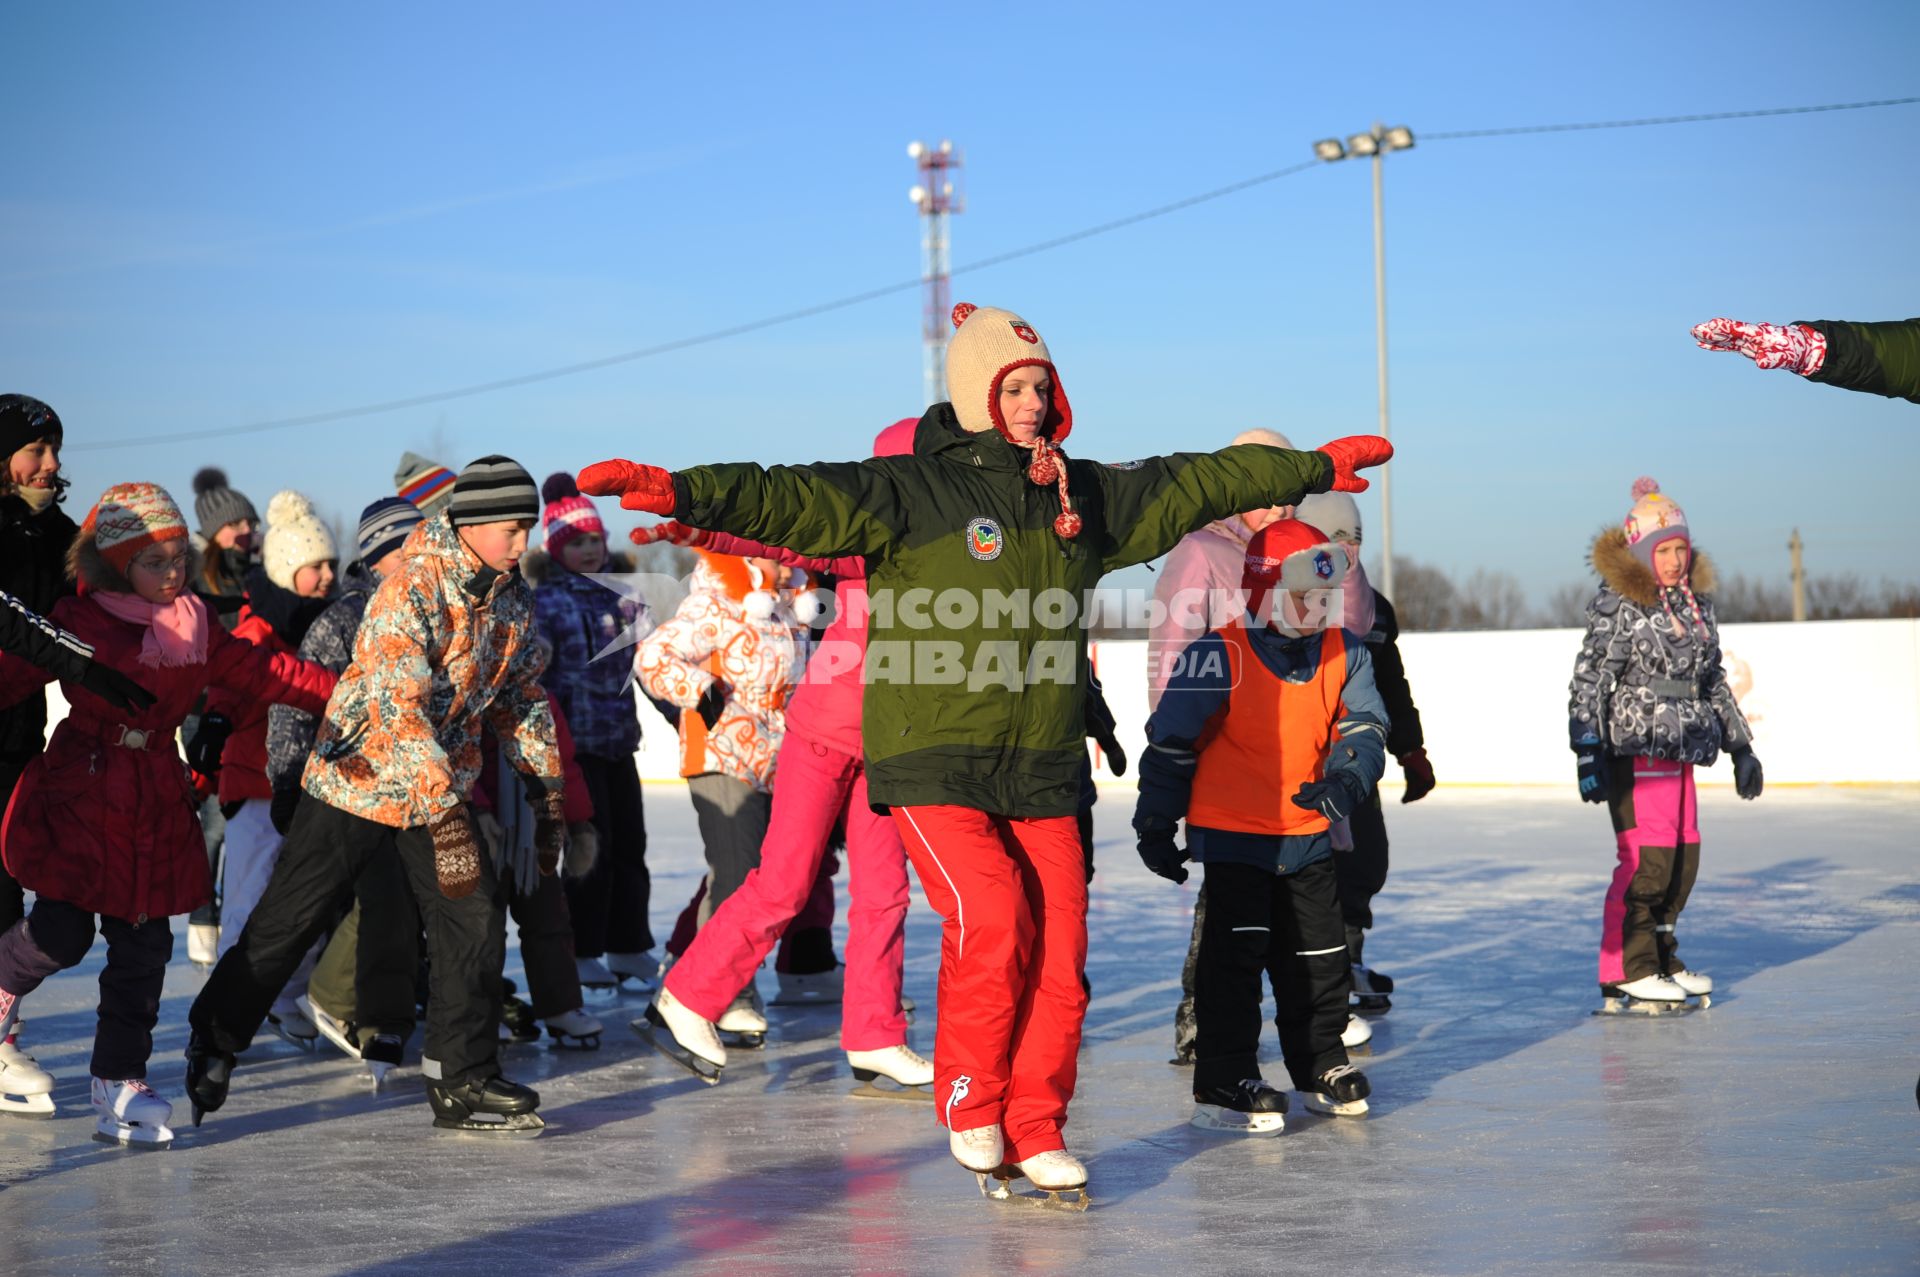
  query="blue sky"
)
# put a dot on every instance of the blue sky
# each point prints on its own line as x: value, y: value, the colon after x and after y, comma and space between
x: 225, y: 213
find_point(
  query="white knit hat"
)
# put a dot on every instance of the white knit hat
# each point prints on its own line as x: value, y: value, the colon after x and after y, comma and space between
x: 296, y: 538
x: 1335, y: 513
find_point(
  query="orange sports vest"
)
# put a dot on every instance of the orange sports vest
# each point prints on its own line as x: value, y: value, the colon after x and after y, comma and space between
x: 1275, y: 738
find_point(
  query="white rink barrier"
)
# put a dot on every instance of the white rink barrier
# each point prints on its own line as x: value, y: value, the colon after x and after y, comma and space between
x: 1831, y: 702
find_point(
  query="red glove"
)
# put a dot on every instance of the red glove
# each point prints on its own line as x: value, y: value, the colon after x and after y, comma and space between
x: 674, y: 533
x: 647, y: 488
x: 1419, y: 774
x: 1355, y: 452
x: 1795, y: 347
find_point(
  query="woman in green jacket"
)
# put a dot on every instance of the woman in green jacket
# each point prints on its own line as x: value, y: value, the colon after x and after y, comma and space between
x: 1879, y: 359
x: 982, y: 547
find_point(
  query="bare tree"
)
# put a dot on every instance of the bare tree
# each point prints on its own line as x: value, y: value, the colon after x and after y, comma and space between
x: 1491, y: 601
x: 1566, y: 606
x: 1424, y: 598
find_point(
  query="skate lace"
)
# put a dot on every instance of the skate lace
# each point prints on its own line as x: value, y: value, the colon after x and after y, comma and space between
x: 1337, y: 1072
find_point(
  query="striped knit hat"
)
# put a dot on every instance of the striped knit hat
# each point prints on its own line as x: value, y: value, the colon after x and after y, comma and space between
x: 384, y: 526
x: 216, y: 503
x: 130, y: 517
x: 568, y: 514
x: 493, y: 489
x: 426, y: 483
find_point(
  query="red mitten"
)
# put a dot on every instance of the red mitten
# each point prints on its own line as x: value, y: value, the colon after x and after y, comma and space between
x: 674, y: 533
x: 1355, y: 452
x: 647, y: 488
x: 1795, y: 347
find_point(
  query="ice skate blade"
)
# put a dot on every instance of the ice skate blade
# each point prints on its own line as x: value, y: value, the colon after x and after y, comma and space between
x: 140, y: 1138
x: 737, y: 1041
x: 1212, y: 1117
x: 569, y: 1042
x: 305, y: 1044
x: 1075, y: 1198
x: 661, y: 1040
x: 1371, y: 1004
x: 377, y: 1075
x: 870, y: 1089
x: 27, y: 1105
x: 1647, y: 1007
x: 521, y: 1125
x: 1317, y: 1103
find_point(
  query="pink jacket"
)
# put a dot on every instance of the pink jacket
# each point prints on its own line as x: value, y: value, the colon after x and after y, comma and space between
x: 1199, y: 589
x: 825, y: 709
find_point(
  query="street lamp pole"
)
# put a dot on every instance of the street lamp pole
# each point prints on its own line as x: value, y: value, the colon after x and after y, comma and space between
x: 1376, y: 144
x: 1380, y: 344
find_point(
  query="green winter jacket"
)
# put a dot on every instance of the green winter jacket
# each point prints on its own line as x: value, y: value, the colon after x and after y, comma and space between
x: 1881, y: 359
x: 976, y: 651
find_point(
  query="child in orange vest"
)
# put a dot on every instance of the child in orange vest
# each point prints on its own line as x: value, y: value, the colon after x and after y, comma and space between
x: 1269, y: 730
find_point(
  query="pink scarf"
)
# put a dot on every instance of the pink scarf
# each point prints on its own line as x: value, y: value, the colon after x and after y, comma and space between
x: 176, y: 632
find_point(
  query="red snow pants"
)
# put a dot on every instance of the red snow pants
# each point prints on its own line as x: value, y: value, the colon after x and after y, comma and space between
x: 1656, y: 832
x: 1012, y: 895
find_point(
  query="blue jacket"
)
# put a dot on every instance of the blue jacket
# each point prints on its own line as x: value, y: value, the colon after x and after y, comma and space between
x: 592, y: 631
x: 1200, y: 693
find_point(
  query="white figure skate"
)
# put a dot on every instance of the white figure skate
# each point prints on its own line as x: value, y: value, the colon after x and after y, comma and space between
x: 131, y: 1114
x: 1057, y: 1174
x: 911, y: 1075
x: 683, y: 1036
x: 745, y: 1022
x: 25, y: 1087
x: 1649, y: 995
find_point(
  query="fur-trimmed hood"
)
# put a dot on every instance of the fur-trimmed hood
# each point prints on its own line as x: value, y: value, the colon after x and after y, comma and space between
x: 87, y: 567
x: 1626, y: 576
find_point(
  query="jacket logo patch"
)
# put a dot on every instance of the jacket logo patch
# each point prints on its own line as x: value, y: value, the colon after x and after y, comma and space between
x: 1025, y: 333
x: 1125, y: 465
x: 984, y: 541
x: 1323, y: 565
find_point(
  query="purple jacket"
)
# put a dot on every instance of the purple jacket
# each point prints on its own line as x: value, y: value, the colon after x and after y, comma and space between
x: 589, y: 675
x: 825, y: 708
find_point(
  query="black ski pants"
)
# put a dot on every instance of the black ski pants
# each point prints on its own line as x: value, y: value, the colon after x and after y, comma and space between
x: 56, y: 935
x: 609, y: 905
x: 1362, y: 872
x: 1287, y: 927
x: 324, y: 854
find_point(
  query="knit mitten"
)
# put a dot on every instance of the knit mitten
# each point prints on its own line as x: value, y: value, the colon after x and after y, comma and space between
x: 456, y: 852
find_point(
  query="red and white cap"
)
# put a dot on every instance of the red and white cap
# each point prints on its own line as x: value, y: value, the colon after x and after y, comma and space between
x: 1292, y: 556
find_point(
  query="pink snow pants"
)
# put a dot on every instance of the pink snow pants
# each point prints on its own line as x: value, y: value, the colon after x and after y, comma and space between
x: 1656, y: 831
x: 1012, y: 894
x: 812, y: 787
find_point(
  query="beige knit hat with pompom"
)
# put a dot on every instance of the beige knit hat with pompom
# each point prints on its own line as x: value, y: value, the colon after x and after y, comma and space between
x: 990, y: 343
x: 296, y: 537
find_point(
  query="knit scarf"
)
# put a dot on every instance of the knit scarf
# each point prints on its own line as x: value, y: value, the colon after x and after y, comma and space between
x: 176, y: 632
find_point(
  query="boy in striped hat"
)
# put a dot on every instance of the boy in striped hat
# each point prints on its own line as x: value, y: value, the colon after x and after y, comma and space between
x: 392, y: 771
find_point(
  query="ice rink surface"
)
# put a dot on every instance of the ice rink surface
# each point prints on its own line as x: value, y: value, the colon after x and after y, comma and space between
x: 1511, y: 1131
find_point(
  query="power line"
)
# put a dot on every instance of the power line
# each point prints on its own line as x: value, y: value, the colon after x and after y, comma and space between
x: 1652, y: 120
x: 888, y: 290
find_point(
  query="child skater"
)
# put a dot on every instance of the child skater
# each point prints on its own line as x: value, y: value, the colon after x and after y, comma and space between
x: 1268, y: 731
x: 729, y: 658
x: 286, y: 594
x: 982, y: 775
x: 447, y: 645
x: 102, y: 827
x: 35, y: 534
x: 361, y: 993
x: 590, y: 628
x: 1650, y: 702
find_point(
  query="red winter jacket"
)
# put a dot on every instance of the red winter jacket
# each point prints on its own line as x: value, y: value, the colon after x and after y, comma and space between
x: 112, y: 829
x: 243, y: 763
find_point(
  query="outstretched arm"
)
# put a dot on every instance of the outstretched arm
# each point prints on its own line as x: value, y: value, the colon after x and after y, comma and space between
x: 827, y: 508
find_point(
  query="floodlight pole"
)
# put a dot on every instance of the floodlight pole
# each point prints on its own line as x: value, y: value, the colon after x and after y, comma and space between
x: 1380, y: 343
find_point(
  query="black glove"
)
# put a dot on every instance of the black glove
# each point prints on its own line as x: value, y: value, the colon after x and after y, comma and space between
x: 281, y: 812
x: 710, y: 702
x: 203, y: 751
x: 1419, y: 773
x: 1336, y: 797
x: 115, y: 688
x: 1747, y: 777
x: 1592, y: 762
x: 1110, y: 750
x: 1160, y: 853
